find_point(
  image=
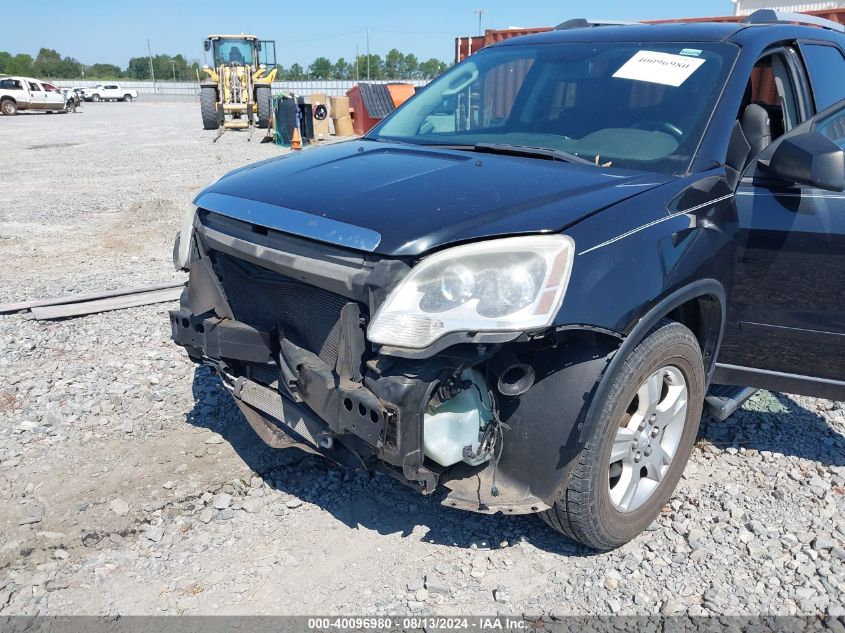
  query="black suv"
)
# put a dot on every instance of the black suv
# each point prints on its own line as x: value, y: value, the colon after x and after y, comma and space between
x: 525, y: 281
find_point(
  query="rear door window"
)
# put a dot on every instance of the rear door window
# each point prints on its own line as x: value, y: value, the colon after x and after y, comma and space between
x: 10, y: 84
x: 826, y: 66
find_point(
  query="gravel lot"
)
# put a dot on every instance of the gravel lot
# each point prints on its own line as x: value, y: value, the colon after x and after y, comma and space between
x: 130, y: 484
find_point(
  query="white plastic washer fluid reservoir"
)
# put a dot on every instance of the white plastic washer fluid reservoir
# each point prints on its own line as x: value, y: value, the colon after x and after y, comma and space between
x: 457, y: 423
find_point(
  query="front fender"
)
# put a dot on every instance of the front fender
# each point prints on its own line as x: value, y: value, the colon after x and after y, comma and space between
x: 541, y: 437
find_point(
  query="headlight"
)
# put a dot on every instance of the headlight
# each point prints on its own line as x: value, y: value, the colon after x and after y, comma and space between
x: 505, y: 285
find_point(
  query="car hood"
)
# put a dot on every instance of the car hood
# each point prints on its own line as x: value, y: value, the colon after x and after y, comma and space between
x: 404, y: 200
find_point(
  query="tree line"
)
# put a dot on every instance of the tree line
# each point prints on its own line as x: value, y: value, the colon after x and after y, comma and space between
x: 49, y: 64
x: 395, y: 65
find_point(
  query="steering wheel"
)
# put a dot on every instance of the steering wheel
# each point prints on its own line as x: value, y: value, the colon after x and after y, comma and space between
x: 661, y: 126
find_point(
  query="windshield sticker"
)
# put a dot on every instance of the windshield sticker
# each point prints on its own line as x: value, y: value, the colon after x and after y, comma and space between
x: 659, y: 68
x: 694, y: 52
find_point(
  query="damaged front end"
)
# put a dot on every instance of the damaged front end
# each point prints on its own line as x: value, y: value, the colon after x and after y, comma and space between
x: 284, y: 321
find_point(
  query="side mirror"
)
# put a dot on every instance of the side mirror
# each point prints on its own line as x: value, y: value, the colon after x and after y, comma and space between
x: 810, y: 159
x: 258, y: 46
x: 207, y: 45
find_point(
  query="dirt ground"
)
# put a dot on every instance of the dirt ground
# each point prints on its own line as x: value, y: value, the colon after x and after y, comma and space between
x: 130, y: 484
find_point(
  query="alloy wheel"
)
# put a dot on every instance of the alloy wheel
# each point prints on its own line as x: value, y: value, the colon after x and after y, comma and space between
x: 647, y: 438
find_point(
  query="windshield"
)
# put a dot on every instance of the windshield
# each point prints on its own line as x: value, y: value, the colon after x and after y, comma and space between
x: 620, y: 104
x: 236, y: 51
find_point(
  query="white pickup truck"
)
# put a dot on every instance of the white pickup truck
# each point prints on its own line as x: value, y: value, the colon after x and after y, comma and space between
x: 26, y: 93
x: 109, y: 92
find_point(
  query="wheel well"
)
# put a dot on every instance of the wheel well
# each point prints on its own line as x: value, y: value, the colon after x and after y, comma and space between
x: 703, y: 316
x: 8, y: 99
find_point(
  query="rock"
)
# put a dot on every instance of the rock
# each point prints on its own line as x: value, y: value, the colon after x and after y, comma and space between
x: 415, y: 605
x: 558, y: 613
x: 818, y: 486
x: 500, y: 594
x: 253, y: 505
x: 119, y: 507
x: 479, y: 562
x: 168, y: 485
x: 61, y: 554
x: 155, y: 534
x: 436, y: 588
x: 673, y: 606
x: 823, y: 542
x: 416, y: 584
x: 222, y: 501
x: 756, y: 528
x: 215, y: 438
x: 679, y: 527
x: 695, y: 538
x: 206, y: 515
x: 155, y: 504
x: 612, y: 580
x: 256, y: 482
x: 32, y: 513
x: 421, y: 594
x: 293, y: 503
x: 57, y: 583
x: 52, y: 536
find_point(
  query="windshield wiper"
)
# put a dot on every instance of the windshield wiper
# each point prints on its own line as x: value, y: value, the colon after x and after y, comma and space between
x: 504, y: 148
x: 533, y: 152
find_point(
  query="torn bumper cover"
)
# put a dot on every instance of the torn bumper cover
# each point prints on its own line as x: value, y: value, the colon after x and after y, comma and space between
x: 283, y: 324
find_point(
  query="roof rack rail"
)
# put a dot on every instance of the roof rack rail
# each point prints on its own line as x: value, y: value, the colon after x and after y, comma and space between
x: 583, y: 23
x: 770, y: 16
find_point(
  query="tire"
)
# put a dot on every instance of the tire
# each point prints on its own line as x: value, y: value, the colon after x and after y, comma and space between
x: 127, y: 98
x: 599, y: 508
x: 70, y: 108
x: 95, y: 98
x: 208, y: 107
x: 9, y: 107
x: 262, y: 99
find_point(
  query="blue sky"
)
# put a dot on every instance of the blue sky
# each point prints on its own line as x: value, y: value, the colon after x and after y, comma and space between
x: 112, y: 32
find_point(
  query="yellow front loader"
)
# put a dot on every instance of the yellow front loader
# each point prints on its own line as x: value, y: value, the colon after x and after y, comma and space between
x: 236, y: 93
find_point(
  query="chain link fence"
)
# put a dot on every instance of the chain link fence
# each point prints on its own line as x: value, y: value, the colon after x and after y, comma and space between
x: 189, y: 90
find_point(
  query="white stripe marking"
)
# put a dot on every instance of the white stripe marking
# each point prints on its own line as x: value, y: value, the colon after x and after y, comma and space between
x: 658, y: 221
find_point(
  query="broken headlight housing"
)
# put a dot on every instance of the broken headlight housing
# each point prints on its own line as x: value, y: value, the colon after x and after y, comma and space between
x: 183, y: 247
x: 503, y: 285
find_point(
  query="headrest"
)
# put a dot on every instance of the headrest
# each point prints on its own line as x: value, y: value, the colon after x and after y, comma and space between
x: 756, y: 125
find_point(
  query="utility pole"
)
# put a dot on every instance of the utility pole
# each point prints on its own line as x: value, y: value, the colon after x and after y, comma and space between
x: 173, y: 68
x: 479, y: 13
x: 152, y: 70
x: 368, y: 54
x: 357, y: 64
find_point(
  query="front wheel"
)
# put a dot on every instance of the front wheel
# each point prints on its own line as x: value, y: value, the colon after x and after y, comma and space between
x: 95, y: 98
x: 645, y: 432
x: 263, y: 101
x: 127, y: 98
x: 208, y: 107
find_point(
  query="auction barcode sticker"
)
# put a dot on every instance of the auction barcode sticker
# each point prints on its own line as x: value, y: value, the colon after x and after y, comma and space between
x: 659, y: 68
